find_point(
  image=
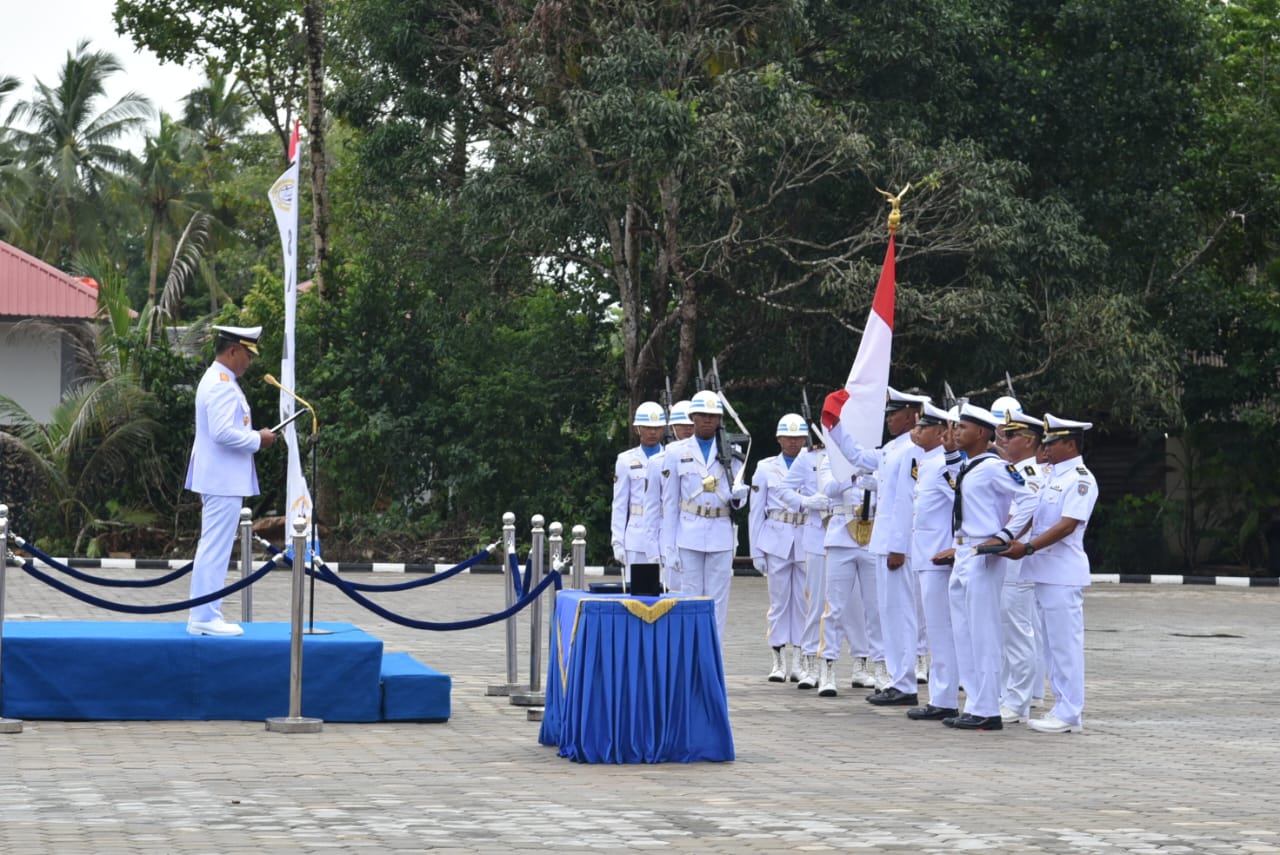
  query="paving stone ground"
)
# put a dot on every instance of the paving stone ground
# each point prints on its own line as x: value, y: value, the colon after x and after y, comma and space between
x: 1181, y: 753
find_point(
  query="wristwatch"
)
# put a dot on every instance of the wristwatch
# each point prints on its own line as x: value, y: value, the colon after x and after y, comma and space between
x: 1028, y: 548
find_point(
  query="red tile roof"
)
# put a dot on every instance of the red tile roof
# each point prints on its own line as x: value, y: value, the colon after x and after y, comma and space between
x: 29, y: 288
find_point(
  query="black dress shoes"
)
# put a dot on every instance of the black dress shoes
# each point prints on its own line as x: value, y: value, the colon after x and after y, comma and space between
x: 892, y: 697
x: 929, y: 712
x: 975, y: 722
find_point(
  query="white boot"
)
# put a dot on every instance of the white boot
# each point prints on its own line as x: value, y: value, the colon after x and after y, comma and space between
x: 778, y: 673
x: 880, y: 672
x: 808, y: 673
x: 797, y: 665
x: 826, y: 678
x: 862, y: 676
x: 922, y: 669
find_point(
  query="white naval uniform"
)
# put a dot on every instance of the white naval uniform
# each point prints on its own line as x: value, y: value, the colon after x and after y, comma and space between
x: 628, y: 529
x: 986, y: 489
x: 930, y: 534
x: 775, y: 529
x: 801, y: 481
x: 221, y: 470
x: 653, y: 520
x: 896, y: 589
x: 1060, y: 572
x: 697, y: 527
x: 853, y: 614
x: 1019, y: 619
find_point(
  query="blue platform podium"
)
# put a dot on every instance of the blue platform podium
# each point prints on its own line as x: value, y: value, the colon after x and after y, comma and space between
x: 636, y: 680
x: 119, y: 671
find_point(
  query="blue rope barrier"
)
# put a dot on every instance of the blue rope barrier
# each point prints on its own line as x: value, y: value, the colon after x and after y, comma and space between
x: 26, y: 546
x: 30, y: 567
x: 404, y: 586
x: 327, y: 575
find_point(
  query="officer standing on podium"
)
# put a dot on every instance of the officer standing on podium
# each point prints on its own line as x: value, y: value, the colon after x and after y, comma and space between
x: 221, y: 470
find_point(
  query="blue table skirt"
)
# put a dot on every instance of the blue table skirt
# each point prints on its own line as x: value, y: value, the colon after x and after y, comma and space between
x: 636, y: 680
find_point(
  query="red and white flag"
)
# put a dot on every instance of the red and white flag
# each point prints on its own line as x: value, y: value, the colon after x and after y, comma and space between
x: 860, y: 405
x: 285, y: 198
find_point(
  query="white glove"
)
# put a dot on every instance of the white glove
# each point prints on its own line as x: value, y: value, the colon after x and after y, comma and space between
x: 673, y: 565
x: 758, y: 563
x: 740, y: 493
x: 816, y: 502
x: 619, y: 554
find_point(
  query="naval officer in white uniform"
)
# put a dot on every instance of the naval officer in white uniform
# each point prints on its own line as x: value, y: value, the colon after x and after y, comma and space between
x: 221, y: 469
x: 630, y: 531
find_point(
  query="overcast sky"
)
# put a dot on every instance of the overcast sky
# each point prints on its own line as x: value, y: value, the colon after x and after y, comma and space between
x: 36, y: 35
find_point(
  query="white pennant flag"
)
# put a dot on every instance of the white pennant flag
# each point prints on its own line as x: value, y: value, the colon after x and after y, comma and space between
x: 285, y: 199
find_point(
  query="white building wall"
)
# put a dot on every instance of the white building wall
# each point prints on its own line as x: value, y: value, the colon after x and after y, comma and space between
x: 31, y: 369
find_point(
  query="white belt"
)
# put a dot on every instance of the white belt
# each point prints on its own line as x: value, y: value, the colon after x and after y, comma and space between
x: 962, y: 539
x: 789, y: 517
x: 637, y: 510
x: 704, y: 511
x: 843, y: 510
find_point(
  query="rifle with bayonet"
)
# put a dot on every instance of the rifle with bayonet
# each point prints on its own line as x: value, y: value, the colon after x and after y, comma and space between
x: 668, y: 432
x: 728, y: 446
x: 807, y: 415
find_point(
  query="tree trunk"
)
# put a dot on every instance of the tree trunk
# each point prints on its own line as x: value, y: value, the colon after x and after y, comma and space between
x: 313, y: 23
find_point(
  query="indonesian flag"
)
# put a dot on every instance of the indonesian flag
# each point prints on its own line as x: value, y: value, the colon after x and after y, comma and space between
x: 284, y: 197
x: 860, y: 405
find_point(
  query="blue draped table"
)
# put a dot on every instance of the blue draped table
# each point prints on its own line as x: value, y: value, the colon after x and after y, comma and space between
x: 636, y: 680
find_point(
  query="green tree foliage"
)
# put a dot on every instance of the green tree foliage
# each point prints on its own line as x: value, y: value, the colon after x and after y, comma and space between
x: 73, y: 154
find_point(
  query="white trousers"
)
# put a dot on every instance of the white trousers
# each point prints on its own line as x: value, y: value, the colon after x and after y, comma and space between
x: 1019, y: 620
x: 787, y: 605
x: 708, y: 574
x: 899, y: 621
x: 1063, y: 610
x: 851, y: 617
x: 815, y: 577
x: 976, y: 582
x: 219, y: 519
x: 944, y: 683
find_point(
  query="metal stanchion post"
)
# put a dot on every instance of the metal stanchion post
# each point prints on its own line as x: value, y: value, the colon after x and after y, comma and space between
x: 294, y: 722
x: 246, y: 564
x: 7, y: 725
x: 537, y: 546
x: 580, y: 557
x: 513, y: 669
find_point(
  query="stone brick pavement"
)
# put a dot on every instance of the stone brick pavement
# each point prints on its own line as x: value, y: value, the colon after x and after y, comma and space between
x: 1180, y: 755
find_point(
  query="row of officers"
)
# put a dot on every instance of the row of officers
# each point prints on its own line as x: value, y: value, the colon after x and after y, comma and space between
x: 953, y: 554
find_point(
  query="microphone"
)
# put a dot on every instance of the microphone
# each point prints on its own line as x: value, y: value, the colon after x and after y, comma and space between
x: 315, y: 421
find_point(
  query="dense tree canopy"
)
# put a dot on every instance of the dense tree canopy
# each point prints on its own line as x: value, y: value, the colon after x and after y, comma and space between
x: 543, y: 210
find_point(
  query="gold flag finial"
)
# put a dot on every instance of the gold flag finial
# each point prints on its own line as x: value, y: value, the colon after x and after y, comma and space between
x: 895, y: 215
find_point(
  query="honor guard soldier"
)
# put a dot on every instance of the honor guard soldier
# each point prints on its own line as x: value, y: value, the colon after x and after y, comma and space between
x: 800, y: 487
x: 629, y: 532
x: 775, y: 529
x: 1020, y: 625
x: 698, y: 496
x: 682, y: 428
x: 221, y: 469
x: 853, y: 614
x: 986, y: 489
x: 932, y: 505
x: 1053, y: 557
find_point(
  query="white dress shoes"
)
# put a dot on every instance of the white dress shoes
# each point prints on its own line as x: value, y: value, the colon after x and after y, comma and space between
x: 217, y: 626
x: 1053, y: 724
x: 1009, y: 716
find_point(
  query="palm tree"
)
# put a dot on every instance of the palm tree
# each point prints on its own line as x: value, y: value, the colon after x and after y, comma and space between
x: 73, y: 151
x: 15, y: 182
x: 164, y: 177
x: 215, y: 112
